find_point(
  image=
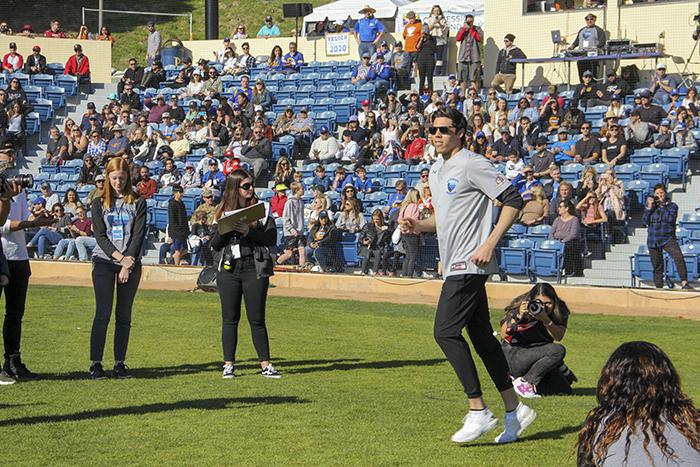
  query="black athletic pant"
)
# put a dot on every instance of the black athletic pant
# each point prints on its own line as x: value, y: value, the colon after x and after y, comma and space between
x: 533, y: 363
x: 104, y: 279
x: 657, y: 261
x: 242, y: 283
x: 463, y: 303
x: 411, y: 244
x: 15, y: 299
x: 425, y: 74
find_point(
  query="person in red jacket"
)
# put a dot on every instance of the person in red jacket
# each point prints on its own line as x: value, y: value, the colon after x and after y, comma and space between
x: 55, y: 30
x: 78, y: 65
x: 231, y: 162
x: 279, y: 199
x: 12, y: 62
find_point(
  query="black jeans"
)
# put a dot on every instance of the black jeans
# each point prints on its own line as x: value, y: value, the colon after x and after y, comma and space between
x: 15, y: 299
x: 425, y: 74
x: 533, y: 363
x: 378, y: 256
x: 463, y: 303
x: 657, y: 261
x: 242, y: 283
x: 573, y: 261
x: 411, y: 244
x: 104, y: 278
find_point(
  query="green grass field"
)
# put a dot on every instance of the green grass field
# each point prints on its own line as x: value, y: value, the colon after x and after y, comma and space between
x: 364, y: 384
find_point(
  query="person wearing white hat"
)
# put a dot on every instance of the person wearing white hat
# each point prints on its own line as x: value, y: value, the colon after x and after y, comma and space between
x: 661, y: 85
x: 368, y: 31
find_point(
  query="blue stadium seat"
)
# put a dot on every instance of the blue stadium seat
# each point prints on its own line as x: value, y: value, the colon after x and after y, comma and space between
x: 364, y: 91
x: 164, y: 194
x: 21, y: 77
x: 57, y: 95
x: 641, y: 268
x: 344, y: 108
x: 310, y: 79
x: 328, y: 79
x: 693, y: 237
x: 322, y: 104
x: 33, y: 122
x: 70, y: 84
x: 514, y: 258
x: 160, y: 215
x: 639, y: 189
x: 691, y: 257
x: 33, y: 93
x: 676, y: 160
x: 654, y: 173
x: 396, y: 170
x: 515, y: 232
x: 538, y: 234
x: 306, y: 92
x: 375, y: 170
x: 547, y: 260
x: 283, y: 147
x: 600, y: 168
x: 327, y: 119
x: 308, y: 170
x: 690, y: 221
x: 344, y: 90
x: 645, y: 156
x: 44, y: 107
x: 71, y: 167
x: 349, y: 245
x: 55, y: 69
x: 627, y: 172
x: 571, y: 172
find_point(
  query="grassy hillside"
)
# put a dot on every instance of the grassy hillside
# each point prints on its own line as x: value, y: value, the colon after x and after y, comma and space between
x: 129, y: 31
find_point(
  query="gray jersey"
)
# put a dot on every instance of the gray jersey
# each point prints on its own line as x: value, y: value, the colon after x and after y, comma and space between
x: 463, y: 188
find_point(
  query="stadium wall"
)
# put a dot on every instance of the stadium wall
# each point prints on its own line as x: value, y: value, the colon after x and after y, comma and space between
x: 58, y: 50
x: 641, y: 22
x: 596, y: 300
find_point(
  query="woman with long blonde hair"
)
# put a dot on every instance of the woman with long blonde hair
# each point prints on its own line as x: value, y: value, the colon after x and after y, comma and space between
x: 119, y: 226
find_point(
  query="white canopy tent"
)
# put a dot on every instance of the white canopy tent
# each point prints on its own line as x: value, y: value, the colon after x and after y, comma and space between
x: 340, y: 10
x: 454, y: 12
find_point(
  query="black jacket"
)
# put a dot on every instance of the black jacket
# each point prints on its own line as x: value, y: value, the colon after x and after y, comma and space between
x: 136, y: 75
x: 152, y: 79
x: 132, y: 100
x: 378, y: 238
x: 261, y: 150
x: 177, y: 220
x: 33, y: 61
x: 261, y: 237
x: 506, y: 66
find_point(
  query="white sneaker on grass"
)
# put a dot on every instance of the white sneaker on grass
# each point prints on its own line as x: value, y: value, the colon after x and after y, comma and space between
x: 5, y: 379
x: 270, y: 372
x: 228, y: 372
x: 476, y: 423
x: 515, y: 423
x: 524, y: 389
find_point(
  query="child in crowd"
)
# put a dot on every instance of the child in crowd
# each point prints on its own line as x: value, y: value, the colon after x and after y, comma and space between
x: 293, y: 226
x: 279, y: 200
x: 320, y: 179
x: 514, y: 165
x: 362, y: 183
x: 341, y: 179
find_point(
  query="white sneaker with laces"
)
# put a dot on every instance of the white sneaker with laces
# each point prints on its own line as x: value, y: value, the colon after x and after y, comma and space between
x: 228, y: 372
x: 476, y: 423
x: 515, y: 423
x: 524, y: 389
x: 270, y: 372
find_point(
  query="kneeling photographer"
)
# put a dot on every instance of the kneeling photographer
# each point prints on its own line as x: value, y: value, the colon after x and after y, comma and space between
x: 533, y: 321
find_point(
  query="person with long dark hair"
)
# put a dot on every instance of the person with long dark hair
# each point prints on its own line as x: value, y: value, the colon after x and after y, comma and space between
x: 643, y: 417
x: 532, y: 322
x: 119, y: 227
x: 244, y: 272
x: 464, y: 185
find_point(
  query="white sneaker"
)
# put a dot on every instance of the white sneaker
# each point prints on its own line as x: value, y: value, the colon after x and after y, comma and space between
x: 516, y: 422
x: 270, y: 372
x: 524, y: 389
x: 229, y: 372
x: 316, y: 269
x: 476, y: 423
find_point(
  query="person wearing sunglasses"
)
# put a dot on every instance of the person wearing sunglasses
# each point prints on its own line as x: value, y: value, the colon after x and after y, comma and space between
x: 464, y: 186
x: 51, y: 235
x: 244, y: 272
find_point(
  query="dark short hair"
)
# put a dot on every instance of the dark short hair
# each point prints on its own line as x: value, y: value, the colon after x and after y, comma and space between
x: 347, y: 133
x: 458, y: 120
x: 661, y: 186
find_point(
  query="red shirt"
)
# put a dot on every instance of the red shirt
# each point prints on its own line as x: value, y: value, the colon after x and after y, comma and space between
x: 277, y: 203
x: 146, y: 189
x: 231, y: 164
x: 73, y: 68
x: 84, y: 225
x: 59, y: 34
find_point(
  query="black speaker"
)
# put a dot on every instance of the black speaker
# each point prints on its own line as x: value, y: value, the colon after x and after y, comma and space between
x: 294, y: 10
x: 207, y: 279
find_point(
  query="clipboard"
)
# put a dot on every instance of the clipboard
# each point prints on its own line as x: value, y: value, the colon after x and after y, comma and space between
x: 248, y: 215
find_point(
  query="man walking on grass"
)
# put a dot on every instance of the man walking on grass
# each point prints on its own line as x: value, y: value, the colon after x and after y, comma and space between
x: 464, y: 185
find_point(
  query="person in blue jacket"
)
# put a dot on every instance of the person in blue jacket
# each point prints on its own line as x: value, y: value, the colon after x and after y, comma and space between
x: 362, y: 183
x: 380, y: 73
x: 293, y: 60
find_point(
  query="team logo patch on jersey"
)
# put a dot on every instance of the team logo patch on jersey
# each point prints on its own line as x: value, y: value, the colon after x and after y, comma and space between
x: 451, y: 186
x: 459, y: 266
x: 500, y: 180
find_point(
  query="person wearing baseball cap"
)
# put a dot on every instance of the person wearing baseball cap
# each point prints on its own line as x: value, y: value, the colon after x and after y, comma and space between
x: 190, y: 177
x: 36, y: 62
x: 649, y: 112
x: 469, y: 37
x: 153, y: 44
x: 325, y: 148
x: 505, y: 68
x: 400, y: 61
x: 661, y: 85
x: 269, y: 29
x: 368, y: 31
x: 588, y: 38
x: 380, y: 73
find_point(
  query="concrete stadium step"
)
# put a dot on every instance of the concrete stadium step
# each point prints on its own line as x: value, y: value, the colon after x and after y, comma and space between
x: 610, y: 282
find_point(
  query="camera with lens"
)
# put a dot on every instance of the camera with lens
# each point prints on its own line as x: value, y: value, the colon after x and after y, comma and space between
x: 535, y: 307
x: 22, y: 181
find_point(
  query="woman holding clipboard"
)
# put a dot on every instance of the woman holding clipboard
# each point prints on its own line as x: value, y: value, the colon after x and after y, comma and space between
x: 244, y: 269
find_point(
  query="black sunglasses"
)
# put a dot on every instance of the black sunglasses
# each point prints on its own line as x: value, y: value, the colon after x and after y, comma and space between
x: 246, y: 186
x: 444, y: 130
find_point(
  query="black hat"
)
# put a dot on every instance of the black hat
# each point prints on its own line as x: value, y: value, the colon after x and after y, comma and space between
x: 177, y: 189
